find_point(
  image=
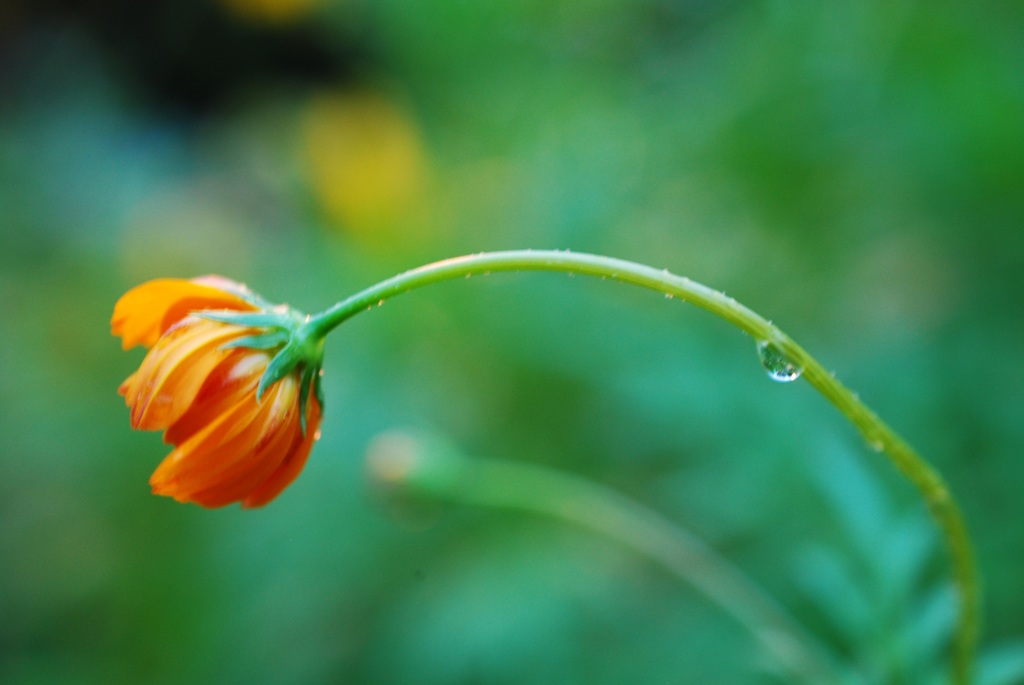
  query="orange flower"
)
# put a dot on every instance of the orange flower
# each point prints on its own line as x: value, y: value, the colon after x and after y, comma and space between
x: 199, y: 384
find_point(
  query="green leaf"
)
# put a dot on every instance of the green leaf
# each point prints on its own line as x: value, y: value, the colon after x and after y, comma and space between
x: 1003, y: 665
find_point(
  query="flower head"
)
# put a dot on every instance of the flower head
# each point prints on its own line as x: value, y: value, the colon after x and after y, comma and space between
x: 227, y: 379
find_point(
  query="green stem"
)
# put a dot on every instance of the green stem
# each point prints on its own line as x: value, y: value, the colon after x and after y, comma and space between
x: 878, y: 435
x: 432, y: 467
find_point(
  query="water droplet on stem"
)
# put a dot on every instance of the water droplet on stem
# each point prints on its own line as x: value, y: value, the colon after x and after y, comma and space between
x: 779, y: 367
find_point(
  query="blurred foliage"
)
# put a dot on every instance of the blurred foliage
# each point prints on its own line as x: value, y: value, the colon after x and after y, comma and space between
x: 852, y: 172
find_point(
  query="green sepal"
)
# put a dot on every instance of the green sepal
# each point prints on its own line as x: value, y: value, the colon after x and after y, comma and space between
x: 265, y: 341
x: 318, y: 386
x: 310, y: 372
x: 283, y: 363
x: 249, y: 319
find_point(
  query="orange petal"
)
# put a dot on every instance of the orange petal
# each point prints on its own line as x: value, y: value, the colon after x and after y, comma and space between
x: 226, y: 386
x: 224, y: 460
x: 180, y: 368
x: 137, y: 381
x: 195, y: 453
x: 260, y: 465
x: 146, y: 311
x: 232, y: 458
x: 292, y: 465
x: 123, y: 388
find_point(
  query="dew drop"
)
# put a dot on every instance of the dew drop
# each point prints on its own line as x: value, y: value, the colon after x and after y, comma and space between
x: 668, y: 296
x: 875, y: 440
x: 777, y: 364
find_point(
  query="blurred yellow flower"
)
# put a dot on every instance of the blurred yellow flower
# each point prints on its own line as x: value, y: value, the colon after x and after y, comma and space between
x: 270, y: 11
x: 366, y: 164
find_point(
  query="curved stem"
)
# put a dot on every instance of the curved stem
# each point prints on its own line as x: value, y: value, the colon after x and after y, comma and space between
x: 878, y: 435
x: 432, y: 467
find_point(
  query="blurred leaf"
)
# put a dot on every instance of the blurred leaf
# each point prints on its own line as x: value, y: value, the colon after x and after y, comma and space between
x: 1002, y: 665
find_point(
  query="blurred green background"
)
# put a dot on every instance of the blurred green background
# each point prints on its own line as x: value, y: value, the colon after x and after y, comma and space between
x: 852, y: 171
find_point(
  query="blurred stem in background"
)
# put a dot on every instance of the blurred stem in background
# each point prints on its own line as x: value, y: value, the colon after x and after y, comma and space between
x: 426, y: 465
x: 781, y: 356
